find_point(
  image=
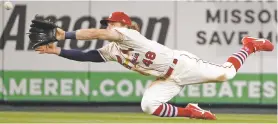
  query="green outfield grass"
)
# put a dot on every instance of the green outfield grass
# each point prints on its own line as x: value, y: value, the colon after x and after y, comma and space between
x: 74, y: 117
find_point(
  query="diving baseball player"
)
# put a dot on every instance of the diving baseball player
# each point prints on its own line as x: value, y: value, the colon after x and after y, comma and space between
x: 172, y: 68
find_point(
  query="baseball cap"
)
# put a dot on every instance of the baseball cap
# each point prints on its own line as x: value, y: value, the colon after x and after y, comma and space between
x: 117, y: 17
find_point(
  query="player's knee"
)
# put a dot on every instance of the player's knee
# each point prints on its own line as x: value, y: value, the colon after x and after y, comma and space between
x: 230, y: 75
x: 148, y: 105
x: 227, y: 73
x: 230, y: 72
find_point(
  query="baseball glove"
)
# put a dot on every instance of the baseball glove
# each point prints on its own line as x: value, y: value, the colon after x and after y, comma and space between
x: 42, y: 32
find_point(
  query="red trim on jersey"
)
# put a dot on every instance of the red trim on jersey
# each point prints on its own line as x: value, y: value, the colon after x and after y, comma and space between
x: 170, y: 70
x: 119, y: 59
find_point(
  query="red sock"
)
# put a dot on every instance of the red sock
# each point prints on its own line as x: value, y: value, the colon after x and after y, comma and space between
x: 168, y: 110
x: 237, y: 59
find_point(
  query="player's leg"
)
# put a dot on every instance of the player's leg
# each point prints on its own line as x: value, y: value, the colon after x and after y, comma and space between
x: 250, y: 45
x: 156, y: 96
x: 155, y: 100
x: 200, y: 71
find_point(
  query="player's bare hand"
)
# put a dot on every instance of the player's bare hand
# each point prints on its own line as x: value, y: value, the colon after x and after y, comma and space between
x: 60, y: 34
x: 49, y: 49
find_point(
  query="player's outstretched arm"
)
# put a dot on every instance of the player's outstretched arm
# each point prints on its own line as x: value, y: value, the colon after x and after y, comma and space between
x: 89, y: 34
x: 77, y: 55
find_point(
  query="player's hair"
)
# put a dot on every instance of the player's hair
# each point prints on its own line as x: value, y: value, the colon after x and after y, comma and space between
x: 134, y: 26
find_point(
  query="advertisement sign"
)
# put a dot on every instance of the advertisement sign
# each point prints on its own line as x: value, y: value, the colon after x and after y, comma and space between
x: 215, y: 30
x: 155, y: 25
x: 129, y: 87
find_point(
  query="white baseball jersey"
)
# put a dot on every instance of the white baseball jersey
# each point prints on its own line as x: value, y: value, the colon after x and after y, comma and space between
x: 138, y: 53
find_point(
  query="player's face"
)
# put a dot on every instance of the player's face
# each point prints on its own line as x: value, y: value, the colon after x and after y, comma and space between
x: 114, y: 24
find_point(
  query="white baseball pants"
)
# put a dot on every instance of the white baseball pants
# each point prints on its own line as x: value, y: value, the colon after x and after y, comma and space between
x: 189, y: 70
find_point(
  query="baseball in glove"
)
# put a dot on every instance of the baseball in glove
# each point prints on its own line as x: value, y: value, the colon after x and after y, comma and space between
x: 42, y: 32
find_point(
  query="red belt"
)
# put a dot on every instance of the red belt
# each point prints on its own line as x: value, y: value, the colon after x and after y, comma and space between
x: 170, y: 70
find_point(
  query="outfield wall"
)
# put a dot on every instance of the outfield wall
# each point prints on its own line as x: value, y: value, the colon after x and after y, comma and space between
x: 211, y: 30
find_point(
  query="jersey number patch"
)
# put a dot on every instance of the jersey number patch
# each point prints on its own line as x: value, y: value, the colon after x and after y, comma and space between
x: 149, y: 57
